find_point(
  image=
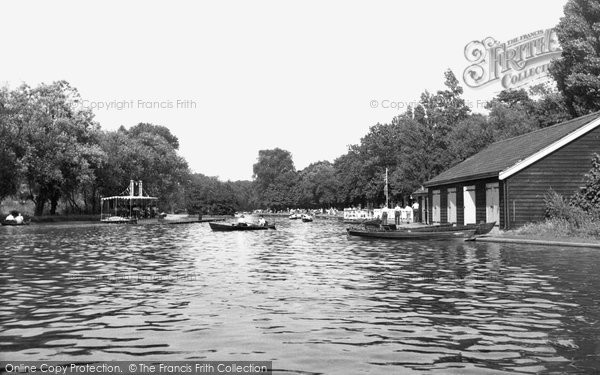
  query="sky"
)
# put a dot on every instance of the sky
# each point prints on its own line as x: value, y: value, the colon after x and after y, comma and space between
x: 230, y: 78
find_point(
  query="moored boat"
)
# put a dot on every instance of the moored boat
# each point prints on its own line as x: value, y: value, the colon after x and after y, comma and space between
x: 307, y: 218
x: 480, y: 229
x: 409, y: 235
x: 14, y: 223
x: 230, y: 227
x: 119, y: 220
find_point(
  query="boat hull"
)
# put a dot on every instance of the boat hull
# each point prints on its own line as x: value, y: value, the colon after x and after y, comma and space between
x: 14, y: 223
x: 406, y: 235
x: 119, y: 221
x: 227, y: 227
x: 480, y: 229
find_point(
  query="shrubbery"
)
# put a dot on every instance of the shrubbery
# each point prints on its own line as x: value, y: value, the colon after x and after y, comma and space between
x: 567, y: 219
x: 588, y: 198
x: 579, y: 216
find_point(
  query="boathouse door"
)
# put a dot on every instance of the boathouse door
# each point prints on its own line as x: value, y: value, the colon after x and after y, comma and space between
x: 469, y: 199
x: 492, y: 201
x: 435, y: 207
x: 452, y: 205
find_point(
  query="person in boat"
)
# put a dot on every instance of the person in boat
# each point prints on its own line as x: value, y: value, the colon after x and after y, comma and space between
x: 384, y: 217
x: 262, y: 222
x: 241, y: 221
x: 19, y: 219
x: 397, y: 210
x: 10, y: 217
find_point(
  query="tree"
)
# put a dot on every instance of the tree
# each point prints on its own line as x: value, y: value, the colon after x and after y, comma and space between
x: 469, y: 137
x: 588, y: 197
x: 349, y: 172
x: 245, y: 196
x: 317, y: 186
x: 444, y: 109
x: 274, y: 178
x: 143, y: 155
x: 577, y: 71
x: 548, y: 105
x: 208, y: 195
x: 9, y: 165
x: 510, y: 116
x: 54, y: 145
x: 414, y: 147
x: 159, y: 130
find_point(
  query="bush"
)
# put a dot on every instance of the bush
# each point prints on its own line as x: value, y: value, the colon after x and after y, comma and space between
x: 557, y: 207
x: 588, y: 197
x: 567, y: 219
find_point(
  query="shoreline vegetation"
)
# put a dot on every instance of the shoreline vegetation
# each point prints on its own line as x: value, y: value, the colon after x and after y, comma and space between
x: 55, y: 159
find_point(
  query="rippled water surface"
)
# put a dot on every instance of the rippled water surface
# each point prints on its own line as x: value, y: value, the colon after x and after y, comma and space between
x: 304, y: 296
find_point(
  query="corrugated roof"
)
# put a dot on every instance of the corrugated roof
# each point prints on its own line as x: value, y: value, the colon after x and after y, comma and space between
x: 504, y: 154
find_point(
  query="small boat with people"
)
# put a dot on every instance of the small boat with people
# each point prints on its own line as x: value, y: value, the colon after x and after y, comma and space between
x: 307, y: 218
x: 242, y: 224
x: 15, y: 218
x: 424, y: 233
x: 230, y: 227
x: 14, y: 223
x: 295, y: 216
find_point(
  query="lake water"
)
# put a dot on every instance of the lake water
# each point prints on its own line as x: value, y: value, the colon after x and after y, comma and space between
x: 305, y: 296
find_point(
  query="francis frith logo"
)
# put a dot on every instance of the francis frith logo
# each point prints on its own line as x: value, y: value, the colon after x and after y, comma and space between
x: 512, y: 64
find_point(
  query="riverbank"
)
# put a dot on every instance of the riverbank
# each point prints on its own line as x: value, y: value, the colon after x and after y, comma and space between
x: 566, y: 242
x: 524, y: 236
x: 170, y: 219
x: 553, y: 232
x: 64, y: 218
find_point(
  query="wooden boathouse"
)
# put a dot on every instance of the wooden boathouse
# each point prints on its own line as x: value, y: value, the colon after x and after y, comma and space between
x: 507, y: 181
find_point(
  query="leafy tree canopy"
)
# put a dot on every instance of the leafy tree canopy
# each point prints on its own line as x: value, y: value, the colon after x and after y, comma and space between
x: 577, y: 71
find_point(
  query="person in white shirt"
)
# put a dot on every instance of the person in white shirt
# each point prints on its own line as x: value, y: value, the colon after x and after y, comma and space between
x: 262, y: 222
x: 10, y: 217
x: 19, y: 218
x: 416, y: 216
x: 241, y: 221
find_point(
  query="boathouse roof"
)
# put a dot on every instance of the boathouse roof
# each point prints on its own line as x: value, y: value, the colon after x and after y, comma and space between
x: 507, y: 157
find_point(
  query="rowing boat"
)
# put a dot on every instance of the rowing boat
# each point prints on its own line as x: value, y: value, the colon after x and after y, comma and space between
x: 483, y: 228
x: 229, y: 227
x: 14, y: 223
x: 307, y: 218
x: 425, y: 233
x: 408, y: 235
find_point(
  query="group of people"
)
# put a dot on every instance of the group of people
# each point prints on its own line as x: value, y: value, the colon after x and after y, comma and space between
x: 242, y: 221
x: 410, y: 214
x: 15, y: 217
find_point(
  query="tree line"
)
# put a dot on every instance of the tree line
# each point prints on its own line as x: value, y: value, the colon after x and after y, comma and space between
x: 441, y: 130
x: 53, y: 151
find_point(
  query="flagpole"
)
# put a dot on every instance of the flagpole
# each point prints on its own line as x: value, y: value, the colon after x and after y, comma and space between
x: 386, y: 188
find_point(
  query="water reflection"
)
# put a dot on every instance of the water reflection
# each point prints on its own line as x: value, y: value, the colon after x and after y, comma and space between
x: 304, y: 296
